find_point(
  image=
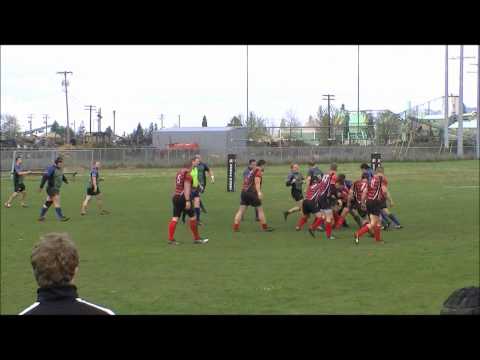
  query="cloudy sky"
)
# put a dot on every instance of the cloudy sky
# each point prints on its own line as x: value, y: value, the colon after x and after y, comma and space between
x: 143, y: 82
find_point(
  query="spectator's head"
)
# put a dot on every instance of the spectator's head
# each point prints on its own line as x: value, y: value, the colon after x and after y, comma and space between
x: 59, y: 162
x: 294, y: 167
x: 18, y: 160
x: 97, y: 164
x: 54, y: 260
x: 333, y: 167
x: 261, y: 163
x: 312, y: 163
x: 199, y: 157
x: 465, y: 301
x: 252, y: 163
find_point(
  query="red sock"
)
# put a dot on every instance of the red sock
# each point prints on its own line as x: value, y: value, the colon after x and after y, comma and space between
x: 377, y: 233
x: 236, y: 227
x: 316, y: 223
x: 302, y: 221
x: 328, y: 229
x: 363, y: 230
x: 264, y: 226
x: 335, y: 217
x: 339, y: 222
x: 194, y: 228
x: 171, y: 229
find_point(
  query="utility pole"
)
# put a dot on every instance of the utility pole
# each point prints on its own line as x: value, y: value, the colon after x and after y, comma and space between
x: 358, y: 91
x: 460, y: 109
x: 113, y: 122
x: 246, y: 119
x: 65, y: 83
x: 161, y: 121
x: 445, y: 134
x: 90, y: 108
x: 99, y: 119
x: 30, y: 117
x: 478, y: 102
x: 179, y: 120
x: 45, y: 119
x: 329, y: 97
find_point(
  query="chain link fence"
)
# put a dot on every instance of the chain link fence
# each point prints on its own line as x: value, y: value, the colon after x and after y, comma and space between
x: 76, y: 160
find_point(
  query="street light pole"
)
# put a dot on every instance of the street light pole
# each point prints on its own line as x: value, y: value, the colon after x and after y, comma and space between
x: 460, y: 109
x: 445, y: 135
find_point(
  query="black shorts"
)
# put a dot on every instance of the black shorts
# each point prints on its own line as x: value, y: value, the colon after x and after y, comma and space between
x: 383, y: 204
x: 195, y: 193
x: 374, y: 207
x: 310, y: 207
x: 179, y: 203
x: 249, y: 198
x: 91, y: 192
x: 52, y: 192
x: 356, y: 206
x: 325, y: 203
x: 297, y: 195
x: 18, y: 188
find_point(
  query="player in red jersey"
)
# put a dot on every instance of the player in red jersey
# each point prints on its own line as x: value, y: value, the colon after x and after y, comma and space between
x: 251, y: 195
x: 372, y: 198
x: 353, y: 204
x: 182, y: 202
x: 326, y: 200
x: 387, y: 216
x: 310, y: 205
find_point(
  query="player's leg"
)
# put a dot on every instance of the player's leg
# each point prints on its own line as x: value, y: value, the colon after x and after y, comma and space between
x: 341, y: 220
x: 256, y: 214
x: 194, y: 228
x: 24, y: 197
x: 316, y: 223
x: 178, y: 207
x: 45, y: 207
x: 388, y: 214
x: 328, y: 213
x: 296, y: 208
x: 83, y: 209
x: 238, y: 217
x: 196, y: 205
x: 58, y: 208
x: 263, y: 219
x: 10, y: 199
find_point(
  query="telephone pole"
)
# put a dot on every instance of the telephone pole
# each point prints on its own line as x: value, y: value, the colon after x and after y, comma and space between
x: 114, y: 122
x: 99, y: 119
x: 161, y: 121
x: 65, y: 83
x: 45, y: 119
x: 178, y: 120
x: 30, y: 117
x: 460, y: 109
x: 445, y: 131
x: 328, y: 98
x: 90, y: 108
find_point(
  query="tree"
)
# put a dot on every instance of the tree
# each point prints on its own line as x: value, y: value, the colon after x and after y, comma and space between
x: 257, y: 128
x: 204, y: 121
x: 155, y: 128
x: 388, y: 127
x: 138, y: 134
x: 55, y: 128
x: 236, y: 121
x: 9, y: 126
x: 109, y: 131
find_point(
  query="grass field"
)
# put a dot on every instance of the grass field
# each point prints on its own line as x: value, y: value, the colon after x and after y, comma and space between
x: 126, y: 265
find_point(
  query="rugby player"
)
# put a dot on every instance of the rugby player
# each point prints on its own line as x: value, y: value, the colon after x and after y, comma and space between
x: 313, y: 171
x: 18, y: 186
x: 295, y: 180
x: 342, y: 187
x: 251, y: 195
x: 93, y: 189
x: 310, y: 205
x: 54, y: 178
x: 371, y: 200
x: 252, y: 164
x: 203, y: 169
x: 386, y: 214
x: 369, y: 173
x: 181, y: 201
x: 354, y: 200
x: 326, y: 201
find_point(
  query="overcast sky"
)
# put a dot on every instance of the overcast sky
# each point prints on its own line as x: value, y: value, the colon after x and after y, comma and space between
x: 142, y: 82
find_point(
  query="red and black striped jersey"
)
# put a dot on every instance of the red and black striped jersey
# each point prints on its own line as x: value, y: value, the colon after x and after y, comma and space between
x: 374, y: 191
x: 326, y: 185
x: 249, y: 180
x: 313, y: 192
x: 333, y: 177
x: 358, y: 188
x: 342, y: 193
x: 182, y: 176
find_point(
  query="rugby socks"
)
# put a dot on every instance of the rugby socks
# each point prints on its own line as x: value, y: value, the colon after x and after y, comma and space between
x: 256, y: 213
x: 339, y: 222
x: 363, y: 230
x: 384, y: 218
x: 335, y: 217
x: 45, y: 207
x: 328, y: 229
x: 197, y: 213
x: 376, y: 233
x: 264, y: 226
x: 59, y: 212
x: 171, y: 229
x: 236, y: 227
x: 316, y: 223
x: 302, y: 221
x: 394, y: 219
x: 194, y: 228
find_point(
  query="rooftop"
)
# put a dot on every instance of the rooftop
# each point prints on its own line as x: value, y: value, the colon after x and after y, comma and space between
x: 197, y: 129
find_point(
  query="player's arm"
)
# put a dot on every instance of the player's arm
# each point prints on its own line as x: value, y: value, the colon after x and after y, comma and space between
x: 187, y: 189
x: 26, y: 172
x: 364, y: 197
x: 290, y: 179
x: 210, y: 173
x: 94, y: 183
x: 46, y: 177
x: 350, y: 197
x: 388, y: 196
x: 258, y: 180
x: 64, y: 179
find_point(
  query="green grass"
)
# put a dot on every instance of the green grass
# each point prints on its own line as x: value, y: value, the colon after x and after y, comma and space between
x: 126, y: 265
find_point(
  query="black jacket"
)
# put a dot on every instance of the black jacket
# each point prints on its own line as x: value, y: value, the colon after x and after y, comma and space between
x: 63, y: 300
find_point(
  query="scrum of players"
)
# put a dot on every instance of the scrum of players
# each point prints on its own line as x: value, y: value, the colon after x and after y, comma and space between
x: 329, y: 197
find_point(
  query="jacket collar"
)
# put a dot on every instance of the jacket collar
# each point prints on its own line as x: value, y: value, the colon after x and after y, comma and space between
x: 53, y: 293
